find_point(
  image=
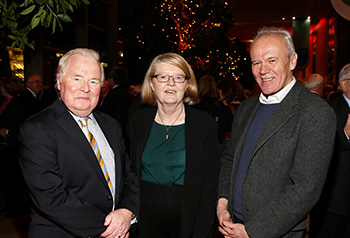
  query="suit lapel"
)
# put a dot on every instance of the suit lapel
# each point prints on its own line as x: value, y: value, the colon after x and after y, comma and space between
x: 283, y: 113
x: 67, y: 123
x: 243, y: 126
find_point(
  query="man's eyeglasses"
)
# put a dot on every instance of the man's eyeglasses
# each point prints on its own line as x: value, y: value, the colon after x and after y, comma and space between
x: 164, y: 78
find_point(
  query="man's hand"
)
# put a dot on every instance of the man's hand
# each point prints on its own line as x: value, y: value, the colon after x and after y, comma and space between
x: 347, y: 126
x: 226, y: 226
x: 118, y: 224
x: 224, y: 218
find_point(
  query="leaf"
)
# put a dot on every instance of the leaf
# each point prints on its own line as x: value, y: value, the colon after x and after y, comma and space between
x: 26, y: 2
x: 31, y: 45
x: 74, y: 3
x: 28, y: 10
x: 11, y: 37
x: 42, y: 17
x: 41, y: 2
x: 85, y: 1
x: 49, y: 18
x: 67, y: 5
x: 64, y: 18
x: 35, y: 22
x: 53, y: 25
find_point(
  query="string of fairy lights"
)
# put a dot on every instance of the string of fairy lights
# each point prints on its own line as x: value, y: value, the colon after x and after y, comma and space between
x: 191, y: 28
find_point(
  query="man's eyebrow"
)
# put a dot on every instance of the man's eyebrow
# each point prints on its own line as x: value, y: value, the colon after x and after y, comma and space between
x: 272, y: 57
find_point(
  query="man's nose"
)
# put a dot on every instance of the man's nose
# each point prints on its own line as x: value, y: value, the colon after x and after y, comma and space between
x: 264, y: 68
x: 85, y: 86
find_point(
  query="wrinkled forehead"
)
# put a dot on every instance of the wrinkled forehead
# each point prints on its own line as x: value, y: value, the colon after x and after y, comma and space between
x: 269, y: 44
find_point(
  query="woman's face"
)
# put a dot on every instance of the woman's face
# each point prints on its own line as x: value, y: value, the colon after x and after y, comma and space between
x: 168, y: 93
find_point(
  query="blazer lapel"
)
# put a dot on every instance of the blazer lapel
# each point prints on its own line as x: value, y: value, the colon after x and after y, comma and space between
x: 71, y: 128
x: 242, y: 128
x: 283, y: 113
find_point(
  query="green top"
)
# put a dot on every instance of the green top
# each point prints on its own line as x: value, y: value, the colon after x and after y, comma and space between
x: 163, y: 161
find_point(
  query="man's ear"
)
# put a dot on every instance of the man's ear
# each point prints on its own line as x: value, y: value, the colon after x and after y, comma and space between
x: 58, y: 85
x: 293, y: 61
x: 342, y: 85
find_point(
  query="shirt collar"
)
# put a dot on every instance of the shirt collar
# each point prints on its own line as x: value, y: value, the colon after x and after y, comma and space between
x: 77, y: 118
x: 32, y: 92
x: 277, y: 97
x: 346, y: 99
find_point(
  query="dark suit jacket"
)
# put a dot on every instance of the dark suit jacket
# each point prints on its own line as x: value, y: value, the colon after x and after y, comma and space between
x: 337, y: 189
x: 30, y: 103
x: 117, y: 103
x: 202, y: 164
x: 70, y: 195
x: 288, y: 165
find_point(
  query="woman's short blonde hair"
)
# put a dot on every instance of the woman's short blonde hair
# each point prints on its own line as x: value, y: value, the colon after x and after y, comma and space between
x: 191, y: 95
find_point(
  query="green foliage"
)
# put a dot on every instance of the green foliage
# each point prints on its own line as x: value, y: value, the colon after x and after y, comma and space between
x: 20, y: 17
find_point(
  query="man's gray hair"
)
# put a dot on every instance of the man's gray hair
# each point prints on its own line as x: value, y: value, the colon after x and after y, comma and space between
x: 276, y: 31
x: 344, y: 73
x: 313, y: 81
x: 63, y: 63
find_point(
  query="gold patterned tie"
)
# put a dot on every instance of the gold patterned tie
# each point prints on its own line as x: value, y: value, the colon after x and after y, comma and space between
x: 97, y: 152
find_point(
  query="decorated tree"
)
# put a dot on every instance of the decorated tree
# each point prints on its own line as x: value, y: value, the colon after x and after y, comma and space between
x: 195, y: 29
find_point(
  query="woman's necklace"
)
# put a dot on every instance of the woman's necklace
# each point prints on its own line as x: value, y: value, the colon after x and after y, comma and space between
x: 168, y: 127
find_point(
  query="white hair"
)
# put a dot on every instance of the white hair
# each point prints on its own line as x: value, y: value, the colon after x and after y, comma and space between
x: 64, y: 61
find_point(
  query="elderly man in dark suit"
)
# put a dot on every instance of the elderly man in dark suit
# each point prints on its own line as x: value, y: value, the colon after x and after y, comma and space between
x: 29, y: 96
x: 331, y: 216
x: 276, y: 161
x: 79, y: 189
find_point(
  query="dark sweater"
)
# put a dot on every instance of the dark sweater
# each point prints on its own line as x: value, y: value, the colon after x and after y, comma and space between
x: 257, y: 125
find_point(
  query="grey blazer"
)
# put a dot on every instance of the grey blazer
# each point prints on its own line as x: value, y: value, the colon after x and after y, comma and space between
x: 288, y: 166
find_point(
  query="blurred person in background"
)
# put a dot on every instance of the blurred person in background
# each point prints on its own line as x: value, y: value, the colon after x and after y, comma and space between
x: 315, y: 84
x: 230, y: 95
x: 30, y: 96
x: 11, y: 116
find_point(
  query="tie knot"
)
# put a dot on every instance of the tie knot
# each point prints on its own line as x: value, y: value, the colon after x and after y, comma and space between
x: 83, y: 121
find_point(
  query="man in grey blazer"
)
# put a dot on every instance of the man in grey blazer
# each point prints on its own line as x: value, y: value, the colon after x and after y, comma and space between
x: 276, y: 161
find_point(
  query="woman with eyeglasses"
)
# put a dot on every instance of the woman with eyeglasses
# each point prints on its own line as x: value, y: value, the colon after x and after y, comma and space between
x: 174, y: 148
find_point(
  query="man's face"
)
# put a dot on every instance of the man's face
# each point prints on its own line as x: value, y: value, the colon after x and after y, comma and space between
x: 35, y: 83
x: 345, y: 86
x: 271, y: 66
x: 80, y: 86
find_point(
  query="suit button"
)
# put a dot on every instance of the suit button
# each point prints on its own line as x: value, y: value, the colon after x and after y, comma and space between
x: 110, y: 199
